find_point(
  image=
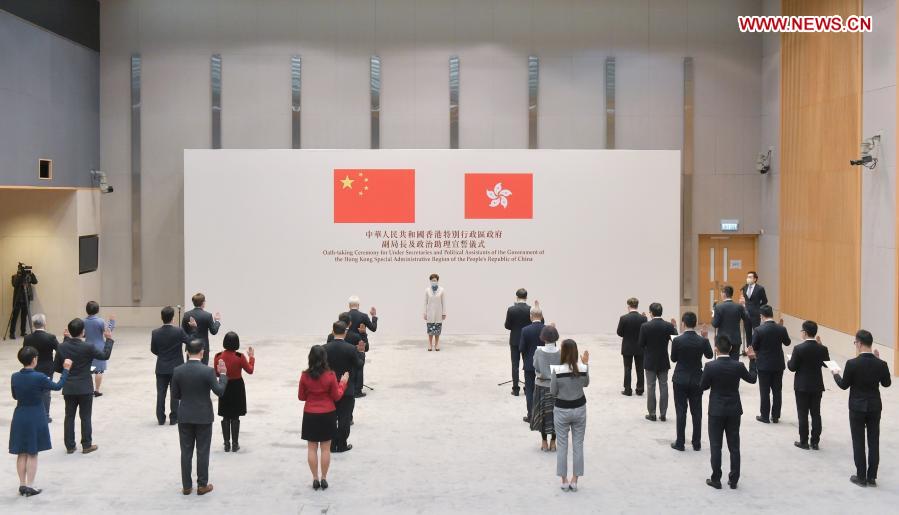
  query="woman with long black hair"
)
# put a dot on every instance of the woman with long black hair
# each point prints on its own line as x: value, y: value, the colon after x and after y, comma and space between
x: 570, y: 412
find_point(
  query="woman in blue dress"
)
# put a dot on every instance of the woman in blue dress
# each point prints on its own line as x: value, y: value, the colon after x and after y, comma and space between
x: 30, y: 433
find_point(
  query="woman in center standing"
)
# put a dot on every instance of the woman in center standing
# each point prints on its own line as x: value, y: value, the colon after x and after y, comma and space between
x: 570, y: 413
x: 320, y: 389
x: 435, y: 311
x: 542, y: 417
x: 233, y: 404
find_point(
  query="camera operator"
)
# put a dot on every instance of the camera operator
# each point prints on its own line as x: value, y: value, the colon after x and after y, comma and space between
x: 22, y: 295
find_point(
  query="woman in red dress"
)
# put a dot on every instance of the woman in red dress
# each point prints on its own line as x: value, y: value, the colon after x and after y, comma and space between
x: 233, y: 403
x: 320, y: 389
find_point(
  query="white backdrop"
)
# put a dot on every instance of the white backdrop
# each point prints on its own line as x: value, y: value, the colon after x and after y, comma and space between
x: 257, y: 223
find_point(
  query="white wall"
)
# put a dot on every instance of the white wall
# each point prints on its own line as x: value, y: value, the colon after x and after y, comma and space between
x: 879, y: 186
x: 260, y: 220
x: 414, y: 39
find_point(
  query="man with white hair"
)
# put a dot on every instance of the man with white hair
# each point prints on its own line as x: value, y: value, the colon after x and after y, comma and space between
x: 360, y: 324
x: 530, y: 340
x: 46, y: 344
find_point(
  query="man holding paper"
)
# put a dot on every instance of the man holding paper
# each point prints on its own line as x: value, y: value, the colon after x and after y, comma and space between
x: 768, y: 341
x: 807, y: 361
x: 863, y: 377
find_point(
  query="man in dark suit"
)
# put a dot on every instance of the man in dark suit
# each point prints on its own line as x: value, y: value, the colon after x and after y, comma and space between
x: 46, y: 344
x: 723, y: 376
x: 343, y: 357
x: 807, y: 360
x: 530, y: 340
x: 78, y: 391
x: 203, y: 323
x: 727, y: 318
x: 167, y: 343
x: 753, y: 298
x: 22, y: 294
x: 687, y: 351
x: 629, y: 330
x: 863, y: 377
x: 768, y: 341
x: 653, y: 339
x: 360, y: 325
x: 517, y: 317
x: 191, y: 384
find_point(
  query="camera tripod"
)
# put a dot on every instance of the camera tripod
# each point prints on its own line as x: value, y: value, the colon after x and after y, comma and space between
x: 24, y: 282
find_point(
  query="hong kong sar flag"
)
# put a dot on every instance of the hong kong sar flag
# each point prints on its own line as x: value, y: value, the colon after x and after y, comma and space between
x: 374, y: 196
x: 499, y: 195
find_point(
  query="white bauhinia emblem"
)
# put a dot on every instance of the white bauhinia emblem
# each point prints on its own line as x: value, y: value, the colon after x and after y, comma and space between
x: 499, y: 196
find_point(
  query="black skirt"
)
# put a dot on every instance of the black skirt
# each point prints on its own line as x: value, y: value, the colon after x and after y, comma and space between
x: 233, y: 403
x: 319, y: 427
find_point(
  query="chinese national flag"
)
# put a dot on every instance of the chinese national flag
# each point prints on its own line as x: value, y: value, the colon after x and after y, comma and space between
x: 374, y: 196
x: 499, y: 195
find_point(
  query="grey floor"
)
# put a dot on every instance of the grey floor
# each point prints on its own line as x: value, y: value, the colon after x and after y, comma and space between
x: 437, y: 436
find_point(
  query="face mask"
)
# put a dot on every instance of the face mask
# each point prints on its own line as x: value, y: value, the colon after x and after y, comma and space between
x: 434, y: 285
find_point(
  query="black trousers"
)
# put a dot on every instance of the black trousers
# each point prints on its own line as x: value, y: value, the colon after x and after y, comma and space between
x: 809, y: 403
x: 861, y: 422
x: 199, y: 436
x: 163, y: 383
x: 19, y: 311
x: 684, y: 395
x: 718, y: 427
x: 344, y: 419
x: 516, y: 363
x: 83, y: 404
x: 359, y: 376
x: 638, y: 361
x: 770, y: 387
x: 530, y: 377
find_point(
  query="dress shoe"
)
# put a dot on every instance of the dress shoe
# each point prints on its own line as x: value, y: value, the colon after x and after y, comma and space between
x: 872, y: 482
x: 762, y: 420
x: 90, y: 449
x: 860, y: 482
x: 203, y: 490
x: 714, y: 484
x: 526, y: 419
x: 173, y: 421
x: 732, y: 485
x: 801, y: 445
x: 651, y: 418
x: 697, y: 447
x: 227, y: 446
x: 639, y: 392
x: 572, y: 487
x: 515, y: 391
x: 565, y: 487
x: 49, y: 419
x: 316, y: 484
x: 348, y: 447
x: 235, y: 447
x: 324, y: 484
x: 815, y: 447
x: 677, y: 447
x: 98, y: 394
x: 360, y: 395
x: 775, y: 419
x: 31, y: 491
x: 70, y: 451
x: 187, y: 491
x: 22, y: 490
x: 662, y: 418
x: 626, y: 392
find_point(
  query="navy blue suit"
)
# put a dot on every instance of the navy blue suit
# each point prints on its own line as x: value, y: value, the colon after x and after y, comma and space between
x: 530, y: 340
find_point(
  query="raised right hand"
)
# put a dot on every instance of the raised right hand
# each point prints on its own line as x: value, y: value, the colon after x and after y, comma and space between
x: 345, y: 377
x: 218, y: 316
x: 67, y: 364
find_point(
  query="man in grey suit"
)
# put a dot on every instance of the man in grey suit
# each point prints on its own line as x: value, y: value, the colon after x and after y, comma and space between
x: 199, y: 323
x: 166, y: 343
x: 191, y: 384
x: 78, y: 391
x: 727, y: 318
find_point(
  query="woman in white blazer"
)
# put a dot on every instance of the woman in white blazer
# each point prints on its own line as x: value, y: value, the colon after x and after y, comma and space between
x: 435, y: 311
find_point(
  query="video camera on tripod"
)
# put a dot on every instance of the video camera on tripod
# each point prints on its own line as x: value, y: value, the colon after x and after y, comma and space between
x: 23, y: 294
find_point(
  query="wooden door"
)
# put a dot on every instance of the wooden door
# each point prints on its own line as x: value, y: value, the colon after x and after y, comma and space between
x: 723, y: 260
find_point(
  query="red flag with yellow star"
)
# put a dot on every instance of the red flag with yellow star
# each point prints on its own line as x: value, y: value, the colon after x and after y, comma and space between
x: 374, y: 196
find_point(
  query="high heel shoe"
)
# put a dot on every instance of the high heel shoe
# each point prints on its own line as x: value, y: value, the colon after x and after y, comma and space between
x: 31, y: 491
x: 316, y: 485
x: 22, y: 490
x: 324, y: 484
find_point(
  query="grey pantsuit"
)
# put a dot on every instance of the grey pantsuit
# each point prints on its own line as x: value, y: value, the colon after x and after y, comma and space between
x: 574, y: 419
x: 653, y: 377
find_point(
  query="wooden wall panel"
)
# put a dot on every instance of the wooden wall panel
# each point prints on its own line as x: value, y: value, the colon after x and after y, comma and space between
x: 820, y: 221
